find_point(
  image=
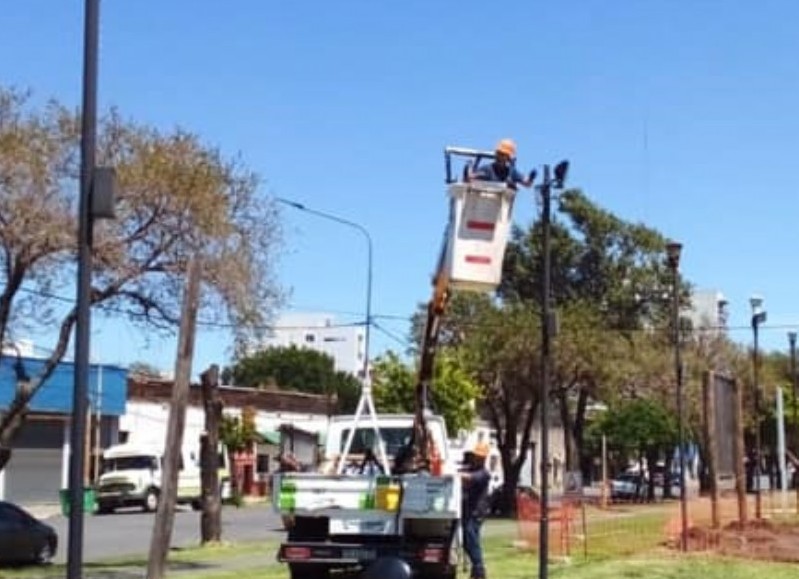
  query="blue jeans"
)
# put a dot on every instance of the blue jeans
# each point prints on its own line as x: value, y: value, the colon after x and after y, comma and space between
x: 472, y: 546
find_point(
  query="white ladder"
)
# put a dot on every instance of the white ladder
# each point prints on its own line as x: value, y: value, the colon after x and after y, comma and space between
x: 366, y: 410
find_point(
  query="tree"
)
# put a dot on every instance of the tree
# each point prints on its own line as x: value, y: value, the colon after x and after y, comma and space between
x: 604, y: 273
x: 297, y: 369
x: 502, y: 352
x: 174, y: 194
x: 640, y: 429
x: 238, y: 434
x: 144, y: 371
x: 453, y: 395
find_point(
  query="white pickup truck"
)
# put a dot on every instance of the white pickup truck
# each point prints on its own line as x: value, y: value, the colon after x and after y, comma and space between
x: 348, y: 520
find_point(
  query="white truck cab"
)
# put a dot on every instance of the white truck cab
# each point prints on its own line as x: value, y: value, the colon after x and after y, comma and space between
x: 395, y: 432
x: 132, y: 475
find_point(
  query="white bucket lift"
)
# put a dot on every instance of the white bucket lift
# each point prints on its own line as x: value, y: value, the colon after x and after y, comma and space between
x: 477, y: 235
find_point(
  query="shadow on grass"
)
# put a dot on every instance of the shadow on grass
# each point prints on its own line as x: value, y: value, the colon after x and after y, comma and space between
x: 128, y: 569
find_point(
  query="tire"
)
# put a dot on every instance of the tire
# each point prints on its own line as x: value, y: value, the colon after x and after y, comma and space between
x: 308, y: 571
x: 196, y: 505
x: 45, y: 554
x: 150, y: 504
x: 104, y: 509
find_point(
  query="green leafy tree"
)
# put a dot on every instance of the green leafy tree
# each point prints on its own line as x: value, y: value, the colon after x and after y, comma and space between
x: 605, y: 273
x: 640, y: 429
x: 453, y: 395
x: 297, y: 369
x: 502, y: 352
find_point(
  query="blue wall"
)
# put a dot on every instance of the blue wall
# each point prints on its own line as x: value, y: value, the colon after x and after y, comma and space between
x: 56, y: 393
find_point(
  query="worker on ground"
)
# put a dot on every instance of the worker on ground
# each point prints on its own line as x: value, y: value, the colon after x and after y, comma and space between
x: 475, y: 478
x: 503, y: 168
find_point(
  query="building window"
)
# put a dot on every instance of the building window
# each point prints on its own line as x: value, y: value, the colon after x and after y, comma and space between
x: 310, y: 338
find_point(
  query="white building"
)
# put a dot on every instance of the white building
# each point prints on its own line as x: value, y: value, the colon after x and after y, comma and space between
x: 482, y: 432
x: 344, y: 342
x: 708, y: 310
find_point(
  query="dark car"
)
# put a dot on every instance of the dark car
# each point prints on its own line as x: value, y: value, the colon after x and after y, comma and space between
x: 23, y: 538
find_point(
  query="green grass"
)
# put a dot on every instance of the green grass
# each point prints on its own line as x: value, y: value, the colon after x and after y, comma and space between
x: 621, y: 545
x: 525, y: 567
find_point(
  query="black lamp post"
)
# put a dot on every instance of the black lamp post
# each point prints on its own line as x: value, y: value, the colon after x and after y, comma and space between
x: 551, y: 180
x: 673, y: 252
x: 758, y: 318
x: 792, y: 344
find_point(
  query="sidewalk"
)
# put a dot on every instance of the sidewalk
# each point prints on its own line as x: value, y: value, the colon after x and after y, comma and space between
x: 43, y: 511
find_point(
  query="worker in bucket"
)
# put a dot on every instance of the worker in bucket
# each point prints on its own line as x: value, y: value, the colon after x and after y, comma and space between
x: 503, y: 168
x: 475, y: 478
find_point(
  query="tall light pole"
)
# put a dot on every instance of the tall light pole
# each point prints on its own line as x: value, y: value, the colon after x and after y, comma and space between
x: 363, y: 231
x: 673, y: 252
x: 792, y: 345
x: 77, y: 458
x: 548, y: 331
x: 758, y: 318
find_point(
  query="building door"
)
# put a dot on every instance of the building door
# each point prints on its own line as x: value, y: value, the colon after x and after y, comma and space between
x: 33, y: 475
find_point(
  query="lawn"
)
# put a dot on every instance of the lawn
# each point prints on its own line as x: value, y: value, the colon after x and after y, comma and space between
x: 623, y: 544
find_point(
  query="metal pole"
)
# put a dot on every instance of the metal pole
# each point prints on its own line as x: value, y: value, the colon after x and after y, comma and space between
x: 792, y: 343
x: 756, y: 363
x: 678, y: 372
x: 781, y: 452
x: 543, y: 550
x: 83, y: 319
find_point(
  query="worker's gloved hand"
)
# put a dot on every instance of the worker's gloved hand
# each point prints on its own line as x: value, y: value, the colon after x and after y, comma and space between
x: 531, y: 176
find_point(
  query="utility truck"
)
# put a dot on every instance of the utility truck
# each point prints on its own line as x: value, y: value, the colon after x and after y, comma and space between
x: 132, y: 473
x: 386, y: 487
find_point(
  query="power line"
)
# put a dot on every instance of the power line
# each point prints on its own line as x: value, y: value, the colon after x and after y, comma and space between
x: 402, y: 341
x: 397, y: 317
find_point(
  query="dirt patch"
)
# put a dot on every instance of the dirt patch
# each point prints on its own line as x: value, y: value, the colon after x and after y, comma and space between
x: 762, y: 540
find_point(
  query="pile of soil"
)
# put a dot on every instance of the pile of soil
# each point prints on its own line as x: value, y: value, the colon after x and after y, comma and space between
x: 761, y: 540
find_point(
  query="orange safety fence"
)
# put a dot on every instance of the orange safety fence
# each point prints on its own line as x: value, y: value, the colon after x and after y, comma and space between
x: 561, y: 522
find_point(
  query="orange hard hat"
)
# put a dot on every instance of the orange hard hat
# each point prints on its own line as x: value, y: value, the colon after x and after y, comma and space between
x: 481, y: 450
x: 507, y: 147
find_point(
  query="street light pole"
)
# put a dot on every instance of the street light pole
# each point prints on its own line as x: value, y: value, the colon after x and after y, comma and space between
x: 548, y: 331
x: 363, y: 231
x: 758, y: 317
x: 673, y: 252
x: 792, y: 344
x: 83, y: 318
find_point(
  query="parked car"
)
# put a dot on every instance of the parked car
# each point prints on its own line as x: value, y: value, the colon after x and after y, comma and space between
x: 628, y: 486
x: 23, y: 538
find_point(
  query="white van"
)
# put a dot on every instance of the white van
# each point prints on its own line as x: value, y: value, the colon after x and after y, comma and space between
x: 131, y: 476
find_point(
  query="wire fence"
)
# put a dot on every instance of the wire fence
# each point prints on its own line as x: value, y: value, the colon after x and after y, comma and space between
x: 579, y: 530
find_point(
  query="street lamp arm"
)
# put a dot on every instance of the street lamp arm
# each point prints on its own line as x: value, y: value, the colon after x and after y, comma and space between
x: 363, y: 231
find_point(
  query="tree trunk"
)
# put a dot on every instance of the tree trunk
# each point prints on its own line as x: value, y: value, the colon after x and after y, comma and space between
x: 578, y: 430
x: 211, y: 519
x: 165, y: 517
x: 14, y: 417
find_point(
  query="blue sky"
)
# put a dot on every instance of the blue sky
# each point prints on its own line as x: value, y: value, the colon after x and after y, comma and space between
x: 681, y: 114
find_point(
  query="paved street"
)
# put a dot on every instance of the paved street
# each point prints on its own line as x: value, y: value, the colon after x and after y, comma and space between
x: 128, y: 533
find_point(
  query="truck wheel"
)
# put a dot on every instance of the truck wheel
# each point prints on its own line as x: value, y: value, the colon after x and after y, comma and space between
x: 151, y: 501
x: 308, y: 571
